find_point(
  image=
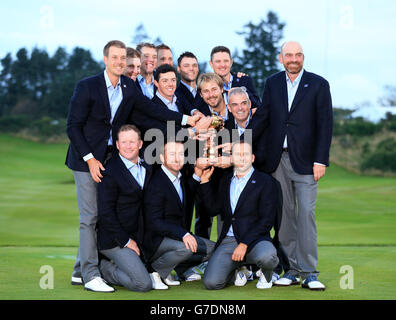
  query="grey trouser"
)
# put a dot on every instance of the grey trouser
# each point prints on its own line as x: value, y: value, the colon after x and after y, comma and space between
x: 86, y: 264
x: 297, y: 233
x: 126, y: 270
x: 171, y: 253
x: 221, y: 267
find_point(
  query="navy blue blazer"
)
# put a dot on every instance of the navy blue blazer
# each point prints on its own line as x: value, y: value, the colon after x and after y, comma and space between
x: 88, y: 124
x: 184, y: 94
x: 120, y: 205
x: 255, y: 212
x: 247, y: 82
x: 145, y: 123
x: 183, y: 106
x: 164, y: 214
x: 308, y: 125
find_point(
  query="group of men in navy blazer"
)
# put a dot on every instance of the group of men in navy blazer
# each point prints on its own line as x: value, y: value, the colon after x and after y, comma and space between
x: 135, y: 218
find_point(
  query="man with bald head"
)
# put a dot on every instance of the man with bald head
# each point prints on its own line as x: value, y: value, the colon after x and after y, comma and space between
x: 298, y: 109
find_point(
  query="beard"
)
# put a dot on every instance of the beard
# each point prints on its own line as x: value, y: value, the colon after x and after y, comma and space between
x: 216, y: 103
x: 293, y: 68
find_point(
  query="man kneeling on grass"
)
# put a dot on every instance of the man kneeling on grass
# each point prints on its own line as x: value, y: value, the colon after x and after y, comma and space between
x: 168, y: 244
x: 247, y: 200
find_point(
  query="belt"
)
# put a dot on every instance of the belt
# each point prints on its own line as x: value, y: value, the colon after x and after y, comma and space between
x: 285, y: 149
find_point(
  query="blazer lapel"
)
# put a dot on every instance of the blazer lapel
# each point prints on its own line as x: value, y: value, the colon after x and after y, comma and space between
x: 129, y: 177
x: 149, y: 172
x: 125, y: 93
x: 283, y: 90
x: 228, y: 199
x: 173, y: 189
x: 183, y: 186
x: 250, y: 186
x: 303, y: 87
x: 104, y: 95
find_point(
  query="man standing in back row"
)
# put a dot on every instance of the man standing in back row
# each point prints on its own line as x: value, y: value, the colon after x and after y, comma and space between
x: 221, y: 63
x: 298, y: 109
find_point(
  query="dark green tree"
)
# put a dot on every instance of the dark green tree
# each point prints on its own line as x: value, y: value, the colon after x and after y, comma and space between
x: 259, y: 58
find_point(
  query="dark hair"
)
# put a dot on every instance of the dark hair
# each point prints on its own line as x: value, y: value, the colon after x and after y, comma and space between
x: 113, y: 43
x: 163, y: 47
x: 164, y: 68
x: 132, y: 53
x: 219, y: 49
x: 129, y: 127
x: 144, y: 44
x: 186, y: 54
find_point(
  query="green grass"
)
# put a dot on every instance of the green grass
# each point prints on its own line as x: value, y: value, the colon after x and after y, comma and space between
x: 356, y: 219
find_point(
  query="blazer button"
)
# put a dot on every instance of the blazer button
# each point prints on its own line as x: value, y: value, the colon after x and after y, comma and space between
x: 233, y: 219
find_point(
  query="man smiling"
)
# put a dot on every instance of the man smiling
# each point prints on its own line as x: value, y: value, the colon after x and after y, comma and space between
x: 148, y: 59
x: 221, y: 63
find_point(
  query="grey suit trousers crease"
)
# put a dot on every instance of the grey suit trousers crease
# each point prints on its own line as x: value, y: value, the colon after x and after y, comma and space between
x: 298, y: 233
x: 86, y: 264
x: 126, y: 270
x: 221, y: 267
x: 172, y: 252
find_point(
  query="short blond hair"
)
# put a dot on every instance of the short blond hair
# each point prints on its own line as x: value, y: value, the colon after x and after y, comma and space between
x: 207, y: 77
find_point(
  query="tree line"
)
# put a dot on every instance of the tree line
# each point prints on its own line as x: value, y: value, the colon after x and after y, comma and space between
x: 36, y: 87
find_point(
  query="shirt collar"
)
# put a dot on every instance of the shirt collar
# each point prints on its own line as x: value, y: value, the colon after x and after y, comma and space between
x: 225, y: 118
x: 142, y: 80
x: 228, y: 86
x: 166, y: 101
x: 247, y: 122
x: 191, y: 89
x: 108, y: 82
x: 246, y: 177
x: 297, y: 80
x: 170, y: 175
x: 130, y: 164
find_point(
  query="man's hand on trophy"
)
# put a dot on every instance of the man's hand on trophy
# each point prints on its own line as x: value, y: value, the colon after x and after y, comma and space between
x: 199, y: 113
x: 206, y: 134
x: 223, y: 162
x: 201, y: 164
x: 192, y: 120
x: 203, y: 124
x: 225, y: 147
x: 206, y: 174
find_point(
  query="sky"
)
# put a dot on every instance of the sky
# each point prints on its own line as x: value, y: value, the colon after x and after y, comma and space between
x: 348, y: 42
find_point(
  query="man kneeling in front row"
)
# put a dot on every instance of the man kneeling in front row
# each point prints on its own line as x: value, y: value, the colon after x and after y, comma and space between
x: 247, y: 200
x: 168, y: 244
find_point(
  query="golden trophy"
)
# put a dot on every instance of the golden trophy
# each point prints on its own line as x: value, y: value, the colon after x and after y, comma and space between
x: 216, y: 125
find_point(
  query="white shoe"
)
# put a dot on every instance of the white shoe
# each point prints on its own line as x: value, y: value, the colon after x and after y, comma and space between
x: 275, y: 277
x: 157, y: 282
x: 171, y: 282
x: 262, y: 283
x: 193, y: 277
x: 76, y: 281
x: 240, y: 277
x: 287, y: 280
x: 97, y: 284
x: 312, y: 283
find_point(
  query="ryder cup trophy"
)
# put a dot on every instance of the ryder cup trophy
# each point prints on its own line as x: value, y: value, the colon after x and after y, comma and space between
x: 216, y: 125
